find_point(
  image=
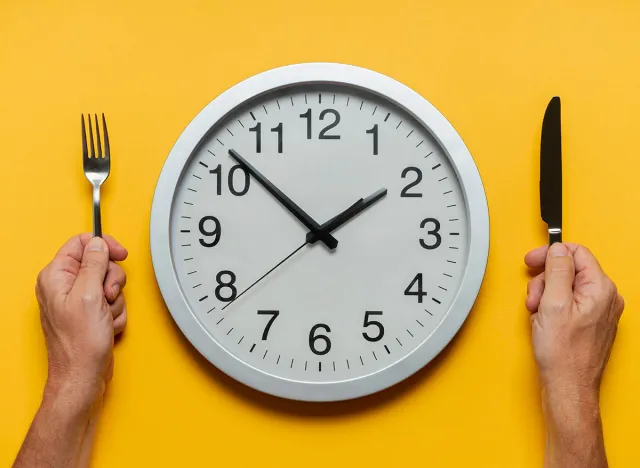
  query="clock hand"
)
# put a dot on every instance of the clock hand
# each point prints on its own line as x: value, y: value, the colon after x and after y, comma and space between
x: 337, y: 221
x: 264, y: 276
x: 298, y: 212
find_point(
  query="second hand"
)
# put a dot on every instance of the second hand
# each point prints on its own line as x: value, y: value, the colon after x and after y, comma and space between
x: 262, y: 277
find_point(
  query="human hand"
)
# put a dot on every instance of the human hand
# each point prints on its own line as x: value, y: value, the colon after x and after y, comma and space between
x: 81, y: 309
x: 575, y: 312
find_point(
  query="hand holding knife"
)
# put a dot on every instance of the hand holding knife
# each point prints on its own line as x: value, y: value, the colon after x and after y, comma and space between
x: 551, y: 171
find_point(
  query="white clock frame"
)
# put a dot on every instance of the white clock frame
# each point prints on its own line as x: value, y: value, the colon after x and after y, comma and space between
x: 398, y: 94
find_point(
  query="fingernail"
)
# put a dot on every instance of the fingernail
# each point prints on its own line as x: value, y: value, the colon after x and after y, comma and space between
x: 558, y: 250
x: 115, y: 290
x: 97, y: 245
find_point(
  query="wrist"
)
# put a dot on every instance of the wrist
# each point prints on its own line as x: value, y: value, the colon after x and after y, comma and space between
x: 73, y: 397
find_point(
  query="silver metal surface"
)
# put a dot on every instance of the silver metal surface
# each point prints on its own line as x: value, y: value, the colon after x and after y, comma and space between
x: 358, y: 78
x: 96, y: 167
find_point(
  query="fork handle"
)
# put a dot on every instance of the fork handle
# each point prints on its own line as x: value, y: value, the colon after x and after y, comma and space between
x: 97, y: 222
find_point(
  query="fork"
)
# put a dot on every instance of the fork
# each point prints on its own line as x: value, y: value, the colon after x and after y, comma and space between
x: 96, y: 168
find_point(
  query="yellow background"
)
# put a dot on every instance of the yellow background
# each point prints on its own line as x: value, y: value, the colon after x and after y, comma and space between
x: 490, y: 67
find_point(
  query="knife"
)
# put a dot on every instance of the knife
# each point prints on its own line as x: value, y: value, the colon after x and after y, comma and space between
x: 551, y: 171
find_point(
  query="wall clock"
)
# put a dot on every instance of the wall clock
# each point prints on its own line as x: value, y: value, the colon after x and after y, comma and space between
x: 319, y: 232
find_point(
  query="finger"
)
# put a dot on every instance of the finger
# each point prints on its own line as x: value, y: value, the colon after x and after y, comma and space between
x: 583, y: 258
x: 559, y: 274
x: 120, y: 323
x: 75, y: 246
x: 536, y: 258
x: 114, y: 282
x: 93, y: 269
x: 535, y: 288
x: 619, y: 305
x: 117, y: 308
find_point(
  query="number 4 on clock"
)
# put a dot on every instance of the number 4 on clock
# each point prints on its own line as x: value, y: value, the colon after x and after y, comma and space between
x: 419, y: 292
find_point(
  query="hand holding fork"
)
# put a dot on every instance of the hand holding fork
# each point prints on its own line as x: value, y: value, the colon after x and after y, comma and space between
x: 96, y: 168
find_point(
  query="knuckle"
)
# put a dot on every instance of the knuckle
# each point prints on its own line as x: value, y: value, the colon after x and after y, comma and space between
x: 89, y: 263
x: 91, y: 299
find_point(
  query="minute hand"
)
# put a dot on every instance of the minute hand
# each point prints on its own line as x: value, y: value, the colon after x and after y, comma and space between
x: 298, y: 212
x: 337, y: 221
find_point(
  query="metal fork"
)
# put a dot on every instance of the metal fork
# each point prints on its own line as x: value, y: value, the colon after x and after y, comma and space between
x: 96, y: 168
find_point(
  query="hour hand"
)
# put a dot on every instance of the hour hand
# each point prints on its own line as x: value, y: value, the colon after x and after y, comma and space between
x: 338, y: 220
x: 294, y: 209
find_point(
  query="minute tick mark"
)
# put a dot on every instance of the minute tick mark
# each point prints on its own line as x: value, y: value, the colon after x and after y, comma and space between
x: 210, y: 152
x: 445, y: 274
x: 203, y: 164
x: 229, y: 331
x: 361, y: 104
x: 319, y: 98
x: 445, y: 193
x: 229, y: 132
x: 398, y: 341
x: 400, y: 123
x: 444, y: 289
x: 409, y: 333
x: 187, y: 203
x: 291, y: 100
x: 319, y: 367
x: 454, y: 233
x: 374, y: 355
x: 440, y: 180
x: 451, y: 206
x: 429, y: 154
x: 436, y: 300
x: 185, y: 230
x: 240, y: 123
x: 387, y: 348
x: 291, y: 367
x: 210, y: 310
x: 305, y: 101
x: 428, y: 312
x: 348, y: 101
x: 387, y: 117
x: 409, y: 133
x: 419, y: 323
x: 252, y: 348
x: 374, y: 110
x: 436, y: 167
x: 453, y: 248
x: 278, y: 102
x: 241, y: 340
x: 192, y: 190
x: 265, y: 109
x: 334, y: 101
x: 220, y: 141
x: 220, y: 321
x: 361, y: 361
x: 197, y: 286
x: 202, y: 298
x: 419, y: 143
x: 197, y: 177
x: 252, y: 116
x: 192, y: 272
x: 265, y: 354
x: 450, y: 261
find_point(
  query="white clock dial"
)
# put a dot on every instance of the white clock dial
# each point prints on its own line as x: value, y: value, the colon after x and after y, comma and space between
x: 299, y: 319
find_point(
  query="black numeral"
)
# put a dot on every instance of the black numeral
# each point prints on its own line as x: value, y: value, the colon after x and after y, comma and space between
x: 434, y: 232
x: 230, y: 180
x: 307, y: 115
x: 405, y: 191
x: 313, y: 338
x: 419, y: 292
x: 247, y: 181
x: 258, y: 130
x: 374, y: 323
x: 274, y: 315
x: 323, y: 133
x: 226, y: 285
x: 278, y: 130
x: 216, y: 232
x: 374, y: 131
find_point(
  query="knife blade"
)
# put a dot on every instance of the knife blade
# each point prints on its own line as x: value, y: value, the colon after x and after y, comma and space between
x: 551, y: 171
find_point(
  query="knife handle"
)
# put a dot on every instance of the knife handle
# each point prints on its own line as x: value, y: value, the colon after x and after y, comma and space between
x: 555, y: 235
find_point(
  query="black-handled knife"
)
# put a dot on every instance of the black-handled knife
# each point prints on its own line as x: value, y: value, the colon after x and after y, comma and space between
x: 551, y: 171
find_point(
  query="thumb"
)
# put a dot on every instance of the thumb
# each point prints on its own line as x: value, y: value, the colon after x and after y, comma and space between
x: 95, y: 262
x: 559, y: 274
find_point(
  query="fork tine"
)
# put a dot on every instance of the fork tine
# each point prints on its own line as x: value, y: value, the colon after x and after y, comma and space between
x: 98, y: 142
x: 107, y: 148
x: 93, y: 149
x: 84, y: 138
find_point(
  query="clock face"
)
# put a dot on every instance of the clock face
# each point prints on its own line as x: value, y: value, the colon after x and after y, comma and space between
x: 320, y: 308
